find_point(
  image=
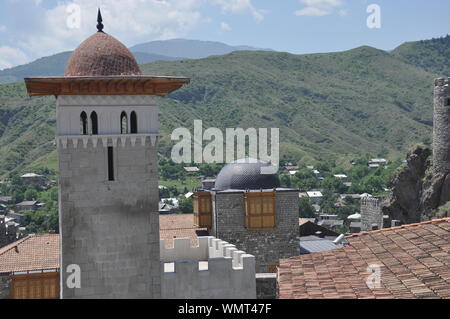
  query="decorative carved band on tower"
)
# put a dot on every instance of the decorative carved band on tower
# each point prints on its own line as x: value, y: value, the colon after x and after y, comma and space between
x: 441, y: 126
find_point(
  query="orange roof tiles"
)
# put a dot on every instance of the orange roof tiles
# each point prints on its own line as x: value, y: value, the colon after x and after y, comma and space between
x: 41, y: 252
x: 30, y: 253
x: 414, y: 261
x: 179, y: 226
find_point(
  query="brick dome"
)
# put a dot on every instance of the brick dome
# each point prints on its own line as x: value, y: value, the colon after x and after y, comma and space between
x: 102, y: 55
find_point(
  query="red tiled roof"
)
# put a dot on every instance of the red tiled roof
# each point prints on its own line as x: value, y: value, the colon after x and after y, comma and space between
x: 178, y: 226
x: 414, y: 261
x: 40, y: 252
x: 33, y: 252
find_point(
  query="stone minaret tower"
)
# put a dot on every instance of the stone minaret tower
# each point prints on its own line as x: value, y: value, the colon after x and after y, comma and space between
x: 107, y: 134
x: 441, y: 126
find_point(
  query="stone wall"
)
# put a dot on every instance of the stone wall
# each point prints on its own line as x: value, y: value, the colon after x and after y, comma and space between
x: 371, y: 213
x: 266, y: 286
x: 214, y: 269
x: 268, y: 246
x: 3, y: 237
x: 110, y: 228
x: 4, y: 286
x: 9, y: 232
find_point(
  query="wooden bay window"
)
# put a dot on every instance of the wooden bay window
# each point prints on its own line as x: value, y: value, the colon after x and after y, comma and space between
x: 203, y: 209
x: 260, y: 210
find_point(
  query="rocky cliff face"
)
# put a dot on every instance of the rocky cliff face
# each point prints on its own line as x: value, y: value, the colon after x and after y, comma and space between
x: 417, y: 192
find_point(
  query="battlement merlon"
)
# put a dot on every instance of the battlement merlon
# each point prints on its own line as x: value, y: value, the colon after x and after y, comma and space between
x: 443, y: 81
x: 209, y: 249
x: 442, y: 87
x: 214, y: 269
x: 372, y: 201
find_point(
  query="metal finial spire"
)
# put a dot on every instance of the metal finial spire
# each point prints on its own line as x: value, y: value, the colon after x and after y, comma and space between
x: 99, y: 20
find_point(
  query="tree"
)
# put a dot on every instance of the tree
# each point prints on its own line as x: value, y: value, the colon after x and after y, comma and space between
x: 306, y: 210
x: 334, y: 185
x: 185, y: 205
x: 30, y: 194
x: 285, y: 180
x: 17, y: 196
x: 373, y: 184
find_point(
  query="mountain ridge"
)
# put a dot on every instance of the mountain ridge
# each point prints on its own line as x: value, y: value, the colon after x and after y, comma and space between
x: 192, y: 49
x: 54, y: 65
x: 327, y: 106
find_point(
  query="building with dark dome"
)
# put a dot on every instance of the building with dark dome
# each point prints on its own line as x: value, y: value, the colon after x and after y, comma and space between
x: 248, y: 209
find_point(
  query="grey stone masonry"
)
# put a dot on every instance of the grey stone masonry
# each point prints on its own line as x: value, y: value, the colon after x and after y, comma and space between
x: 268, y: 246
x: 266, y: 286
x: 371, y: 213
x: 9, y: 232
x: 110, y: 229
x: 3, y: 237
x: 4, y: 286
x: 441, y: 126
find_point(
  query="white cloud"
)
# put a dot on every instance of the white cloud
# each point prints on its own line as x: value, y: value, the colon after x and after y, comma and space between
x: 10, y: 57
x: 225, y: 27
x: 318, y: 8
x: 239, y: 7
x: 41, y: 31
x: 131, y: 21
x: 3, y: 28
x: 312, y: 11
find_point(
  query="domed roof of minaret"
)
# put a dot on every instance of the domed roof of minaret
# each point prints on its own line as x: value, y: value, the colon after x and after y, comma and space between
x: 102, y: 55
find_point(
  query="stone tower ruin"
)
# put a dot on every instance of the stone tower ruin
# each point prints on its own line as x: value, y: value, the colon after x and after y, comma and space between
x: 441, y: 127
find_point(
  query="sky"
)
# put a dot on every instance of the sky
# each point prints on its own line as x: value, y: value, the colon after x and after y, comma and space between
x: 30, y: 29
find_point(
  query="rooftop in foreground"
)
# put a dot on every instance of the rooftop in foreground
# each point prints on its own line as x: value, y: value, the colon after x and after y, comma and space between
x: 414, y: 261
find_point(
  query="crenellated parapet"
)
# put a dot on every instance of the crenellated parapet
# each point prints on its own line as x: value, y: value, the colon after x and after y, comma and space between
x: 83, y: 141
x: 372, y: 202
x: 442, y: 82
x: 9, y: 231
x: 213, y: 269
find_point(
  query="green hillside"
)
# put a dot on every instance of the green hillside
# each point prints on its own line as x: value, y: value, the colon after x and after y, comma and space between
x: 46, y: 66
x: 55, y: 65
x: 432, y: 55
x: 330, y: 105
x: 326, y: 105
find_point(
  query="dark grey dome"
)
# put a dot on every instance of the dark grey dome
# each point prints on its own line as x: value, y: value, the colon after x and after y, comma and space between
x: 245, y: 174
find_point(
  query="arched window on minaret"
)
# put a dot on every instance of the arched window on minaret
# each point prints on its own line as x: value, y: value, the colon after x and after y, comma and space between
x: 94, y: 123
x: 123, y: 123
x: 133, y: 124
x: 83, y: 124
